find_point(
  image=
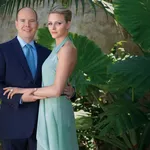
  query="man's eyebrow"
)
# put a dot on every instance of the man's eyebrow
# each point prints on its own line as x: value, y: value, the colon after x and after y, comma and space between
x: 27, y: 19
x: 21, y: 19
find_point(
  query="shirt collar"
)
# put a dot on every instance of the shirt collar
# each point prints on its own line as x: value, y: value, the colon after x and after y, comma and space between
x: 23, y: 43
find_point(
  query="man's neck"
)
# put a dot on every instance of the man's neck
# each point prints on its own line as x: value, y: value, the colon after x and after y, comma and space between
x: 27, y: 40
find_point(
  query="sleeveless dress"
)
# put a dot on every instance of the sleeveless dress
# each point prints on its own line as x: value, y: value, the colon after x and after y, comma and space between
x: 56, y: 124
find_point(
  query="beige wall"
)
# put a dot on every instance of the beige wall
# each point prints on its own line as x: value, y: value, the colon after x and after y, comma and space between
x: 100, y: 29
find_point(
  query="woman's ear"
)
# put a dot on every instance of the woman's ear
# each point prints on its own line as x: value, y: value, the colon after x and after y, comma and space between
x: 68, y: 25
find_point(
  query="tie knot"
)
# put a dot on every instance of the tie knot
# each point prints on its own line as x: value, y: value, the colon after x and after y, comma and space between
x: 28, y: 46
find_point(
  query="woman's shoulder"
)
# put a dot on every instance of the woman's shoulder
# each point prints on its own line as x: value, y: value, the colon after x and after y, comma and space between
x: 68, y: 51
x: 69, y: 46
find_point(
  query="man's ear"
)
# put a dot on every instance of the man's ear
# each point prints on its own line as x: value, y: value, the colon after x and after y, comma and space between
x: 37, y: 25
x: 16, y: 24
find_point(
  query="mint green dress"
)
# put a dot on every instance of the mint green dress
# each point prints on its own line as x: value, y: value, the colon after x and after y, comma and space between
x: 56, y: 124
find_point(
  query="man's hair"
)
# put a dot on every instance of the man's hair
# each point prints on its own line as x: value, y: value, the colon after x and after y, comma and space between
x: 29, y: 8
x: 62, y: 10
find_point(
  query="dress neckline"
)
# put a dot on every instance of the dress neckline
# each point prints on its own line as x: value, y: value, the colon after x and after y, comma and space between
x: 56, y: 48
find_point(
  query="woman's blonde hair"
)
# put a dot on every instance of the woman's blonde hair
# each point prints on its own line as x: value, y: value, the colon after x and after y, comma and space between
x: 61, y: 10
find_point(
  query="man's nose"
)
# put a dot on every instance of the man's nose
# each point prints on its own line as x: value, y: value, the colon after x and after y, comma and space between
x: 27, y: 23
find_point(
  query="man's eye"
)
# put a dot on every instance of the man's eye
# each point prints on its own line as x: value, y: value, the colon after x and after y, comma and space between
x: 22, y: 20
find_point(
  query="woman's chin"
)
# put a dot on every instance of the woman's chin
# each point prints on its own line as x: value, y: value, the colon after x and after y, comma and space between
x: 54, y: 36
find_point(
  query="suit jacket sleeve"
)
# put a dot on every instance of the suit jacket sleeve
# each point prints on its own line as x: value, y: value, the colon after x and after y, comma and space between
x: 14, y: 102
x: 73, y: 98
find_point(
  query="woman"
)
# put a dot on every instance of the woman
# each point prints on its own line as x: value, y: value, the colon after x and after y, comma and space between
x: 56, y: 123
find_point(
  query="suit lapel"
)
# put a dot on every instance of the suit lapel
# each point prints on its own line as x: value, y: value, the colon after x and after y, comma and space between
x: 21, y: 57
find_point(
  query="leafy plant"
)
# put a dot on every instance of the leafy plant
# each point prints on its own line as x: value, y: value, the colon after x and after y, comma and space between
x: 133, y: 16
x: 130, y: 74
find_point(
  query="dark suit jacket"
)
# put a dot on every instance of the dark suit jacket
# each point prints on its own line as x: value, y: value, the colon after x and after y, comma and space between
x: 18, y: 121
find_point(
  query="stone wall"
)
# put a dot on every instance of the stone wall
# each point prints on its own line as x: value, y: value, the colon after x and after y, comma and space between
x: 100, y: 28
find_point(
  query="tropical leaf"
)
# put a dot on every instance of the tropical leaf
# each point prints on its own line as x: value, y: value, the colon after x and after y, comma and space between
x: 120, y: 117
x: 133, y: 16
x: 91, y: 67
x: 131, y: 73
x: 113, y: 140
x: 45, y: 38
x: 92, y: 63
x: 107, y: 6
x: 144, y: 142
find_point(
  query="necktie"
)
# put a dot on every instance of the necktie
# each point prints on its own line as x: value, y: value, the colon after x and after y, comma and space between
x: 30, y: 58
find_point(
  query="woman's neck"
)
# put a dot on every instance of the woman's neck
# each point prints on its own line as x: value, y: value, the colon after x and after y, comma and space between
x: 60, y: 39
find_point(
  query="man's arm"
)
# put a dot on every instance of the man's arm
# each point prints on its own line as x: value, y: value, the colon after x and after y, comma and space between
x: 73, y: 97
x: 70, y: 92
x: 14, y: 102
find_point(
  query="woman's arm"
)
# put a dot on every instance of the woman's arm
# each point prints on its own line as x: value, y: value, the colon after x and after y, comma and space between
x: 27, y: 93
x: 66, y: 62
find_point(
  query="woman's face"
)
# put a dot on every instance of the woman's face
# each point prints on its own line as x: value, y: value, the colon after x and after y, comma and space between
x: 57, y: 25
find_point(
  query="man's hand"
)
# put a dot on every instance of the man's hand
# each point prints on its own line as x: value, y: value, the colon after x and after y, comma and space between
x: 69, y: 91
x: 11, y: 91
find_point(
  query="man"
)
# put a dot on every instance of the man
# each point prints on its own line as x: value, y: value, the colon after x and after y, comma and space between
x: 19, y: 117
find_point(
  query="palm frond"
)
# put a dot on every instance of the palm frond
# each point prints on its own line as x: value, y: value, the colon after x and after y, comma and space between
x: 8, y: 6
x: 107, y: 7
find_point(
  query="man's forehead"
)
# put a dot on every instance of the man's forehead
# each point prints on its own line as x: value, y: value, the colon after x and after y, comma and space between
x: 26, y: 17
x: 26, y: 12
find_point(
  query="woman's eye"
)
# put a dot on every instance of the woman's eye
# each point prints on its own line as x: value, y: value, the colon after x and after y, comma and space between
x: 49, y: 24
x: 58, y: 23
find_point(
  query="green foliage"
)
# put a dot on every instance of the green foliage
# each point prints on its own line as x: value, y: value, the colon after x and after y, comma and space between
x: 128, y: 74
x: 118, y: 52
x: 91, y: 65
x: 44, y: 38
x: 133, y: 16
x: 83, y: 120
x: 120, y: 117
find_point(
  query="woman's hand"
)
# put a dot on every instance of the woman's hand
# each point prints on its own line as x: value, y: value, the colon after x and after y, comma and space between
x: 28, y: 93
x: 13, y: 90
x: 30, y: 97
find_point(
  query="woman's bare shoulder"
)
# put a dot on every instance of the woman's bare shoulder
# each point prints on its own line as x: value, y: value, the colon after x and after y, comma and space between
x: 69, y: 47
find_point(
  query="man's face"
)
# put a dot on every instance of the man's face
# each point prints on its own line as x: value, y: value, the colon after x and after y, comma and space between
x: 26, y: 24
